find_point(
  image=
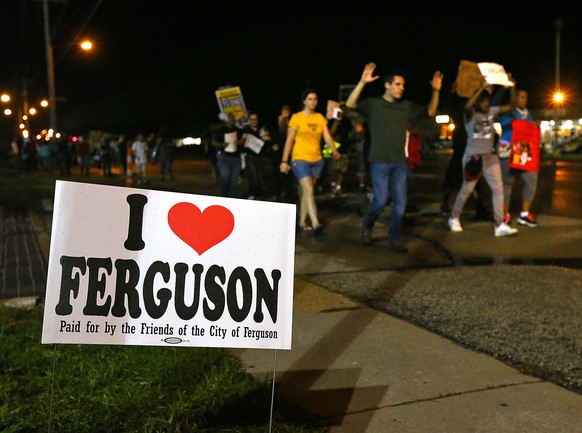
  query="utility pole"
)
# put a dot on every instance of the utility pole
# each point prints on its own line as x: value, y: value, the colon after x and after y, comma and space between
x: 24, y: 105
x: 50, y: 66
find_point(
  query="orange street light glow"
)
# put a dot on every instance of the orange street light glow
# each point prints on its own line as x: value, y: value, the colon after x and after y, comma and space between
x: 86, y: 45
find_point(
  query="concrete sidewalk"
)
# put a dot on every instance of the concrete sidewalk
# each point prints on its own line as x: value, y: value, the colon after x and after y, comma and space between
x: 362, y: 370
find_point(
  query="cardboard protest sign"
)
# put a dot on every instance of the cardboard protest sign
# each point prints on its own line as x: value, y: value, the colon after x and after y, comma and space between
x: 230, y: 100
x: 525, y: 146
x: 154, y: 268
x: 471, y: 74
x: 468, y: 78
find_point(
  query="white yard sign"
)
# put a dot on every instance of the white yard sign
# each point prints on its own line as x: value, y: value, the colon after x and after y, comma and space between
x: 141, y: 267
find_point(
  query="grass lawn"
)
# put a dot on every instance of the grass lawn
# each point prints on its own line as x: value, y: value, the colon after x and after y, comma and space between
x: 129, y: 388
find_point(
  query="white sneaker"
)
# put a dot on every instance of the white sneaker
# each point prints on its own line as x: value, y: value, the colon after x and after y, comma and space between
x: 504, y: 230
x: 455, y: 225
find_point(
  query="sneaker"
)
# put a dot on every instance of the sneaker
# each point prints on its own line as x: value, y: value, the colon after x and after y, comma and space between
x: 455, y: 225
x: 507, y: 219
x: 504, y: 230
x: 527, y: 220
x: 367, y: 237
x: 318, y: 229
x: 397, y: 247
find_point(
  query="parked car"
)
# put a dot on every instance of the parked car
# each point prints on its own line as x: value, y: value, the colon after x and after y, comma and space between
x: 572, y: 146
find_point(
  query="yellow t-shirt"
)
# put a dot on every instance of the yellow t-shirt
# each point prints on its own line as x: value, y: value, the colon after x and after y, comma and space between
x: 309, y: 130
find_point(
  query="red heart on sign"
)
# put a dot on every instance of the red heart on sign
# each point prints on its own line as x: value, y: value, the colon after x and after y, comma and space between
x: 200, y: 230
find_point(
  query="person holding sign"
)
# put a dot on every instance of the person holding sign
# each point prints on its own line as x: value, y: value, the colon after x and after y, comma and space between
x: 479, y: 118
x: 528, y: 177
x: 228, y: 156
x: 254, y: 138
x: 304, y: 133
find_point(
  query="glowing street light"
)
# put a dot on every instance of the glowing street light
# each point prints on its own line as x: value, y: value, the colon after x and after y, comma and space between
x: 86, y: 45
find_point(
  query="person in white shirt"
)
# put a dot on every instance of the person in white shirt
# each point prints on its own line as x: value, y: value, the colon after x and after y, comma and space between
x: 140, y: 155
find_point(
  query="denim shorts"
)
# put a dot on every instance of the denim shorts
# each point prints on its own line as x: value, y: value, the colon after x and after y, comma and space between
x: 303, y: 168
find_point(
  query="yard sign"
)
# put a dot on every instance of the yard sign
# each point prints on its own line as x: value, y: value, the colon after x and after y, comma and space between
x: 142, y: 267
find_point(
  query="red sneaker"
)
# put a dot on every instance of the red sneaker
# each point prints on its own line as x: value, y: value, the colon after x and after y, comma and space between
x: 507, y: 219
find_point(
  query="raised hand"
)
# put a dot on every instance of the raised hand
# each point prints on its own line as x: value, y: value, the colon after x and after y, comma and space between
x: 437, y: 80
x: 368, y: 74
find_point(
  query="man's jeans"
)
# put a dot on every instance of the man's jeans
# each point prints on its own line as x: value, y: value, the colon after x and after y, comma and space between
x: 229, y: 167
x: 388, y: 180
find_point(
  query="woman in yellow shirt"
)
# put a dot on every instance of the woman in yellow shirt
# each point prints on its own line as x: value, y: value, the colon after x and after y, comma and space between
x: 303, y: 144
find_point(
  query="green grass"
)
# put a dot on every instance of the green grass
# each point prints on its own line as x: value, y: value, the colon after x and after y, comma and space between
x: 20, y: 191
x: 130, y: 388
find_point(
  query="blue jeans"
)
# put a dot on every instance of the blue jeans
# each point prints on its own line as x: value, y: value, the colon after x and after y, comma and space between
x: 389, y: 179
x: 229, y: 167
x: 255, y: 172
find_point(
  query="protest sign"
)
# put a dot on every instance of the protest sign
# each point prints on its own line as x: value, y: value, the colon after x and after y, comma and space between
x: 230, y: 100
x: 525, y: 146
x: 254, y: 143
x: 154, y: 268
x: 468, y: 78
x: 470, y: 75
x: 494, y: 74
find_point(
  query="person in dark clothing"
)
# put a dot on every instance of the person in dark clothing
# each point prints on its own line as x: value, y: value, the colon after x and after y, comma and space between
x: 255, y: 133
x: 227, y: 141
x: 63, y: 156
x: 165, y: 154
x: 284, y: 184
x: 122, y: 144
x: 105, y: 151
x: 84, y: 152
x: 340, y: 130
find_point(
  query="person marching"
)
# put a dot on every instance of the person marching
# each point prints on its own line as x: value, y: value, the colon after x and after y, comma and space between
x: 304, y: 133
x: 479, y: 118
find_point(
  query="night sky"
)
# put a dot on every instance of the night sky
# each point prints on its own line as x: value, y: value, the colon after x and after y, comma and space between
x: 159, y: 62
